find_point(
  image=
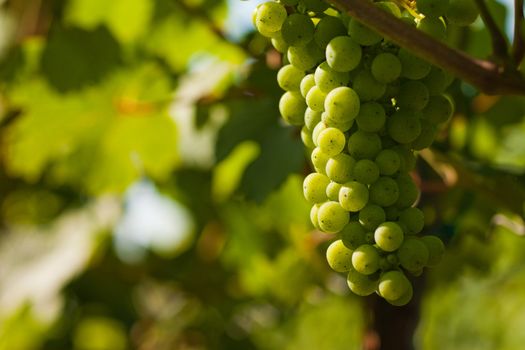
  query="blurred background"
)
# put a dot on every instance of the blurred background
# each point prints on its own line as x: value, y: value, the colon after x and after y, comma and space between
x: 150, y: 197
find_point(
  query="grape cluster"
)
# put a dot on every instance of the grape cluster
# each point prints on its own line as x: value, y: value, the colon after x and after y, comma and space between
x: 365, y: 106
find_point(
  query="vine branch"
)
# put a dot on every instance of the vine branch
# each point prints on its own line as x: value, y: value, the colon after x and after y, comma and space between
x: 518, y: 45
x: 499, y: 43
x: 485, y: 75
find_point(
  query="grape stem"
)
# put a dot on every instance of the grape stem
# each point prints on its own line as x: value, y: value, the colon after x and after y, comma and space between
x: 499, y: 43
x: 487, y: 76
x: 518, y: 46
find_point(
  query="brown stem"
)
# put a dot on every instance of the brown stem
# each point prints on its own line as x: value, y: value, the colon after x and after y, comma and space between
x: 485, y: 75
x: 518, y: 46
x: 499, y: 43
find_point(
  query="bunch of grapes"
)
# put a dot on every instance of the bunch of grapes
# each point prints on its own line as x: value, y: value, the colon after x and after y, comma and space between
x: 365, y: 106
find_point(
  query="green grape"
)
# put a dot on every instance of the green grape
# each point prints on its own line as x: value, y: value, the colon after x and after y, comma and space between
x: 363, y: 35
x: 341, y: 125
x: 305, y: 57
x: 384, y: 192
x: 436, y: 81
x: 393, y: 285
x: 407, y: 157
x: 331, y: 141
x: 436, y: 249
x: 404, y: 299
x: 360, y: 284
x: 332, y: 217
x: 353, y: 235
x: 388, y: 236
x: 392, y: 259
x: 317, y: 130
x: 388, y: 162
x: 339, y: 168
x: 404, y: 126
x: 426, y: 137
x: 319, y: 160
x: 367, y: 87
x: 413, y: 219
x: 328, y: 79
x: 270, y: 17
x: 408, y: 191
x: 462, y: 12
x: 278, y: 42
x: 371, y: 117
x: 289, y: 78
x: 364, y: 145
x: 292, y: 107
x: 306, y: 137
x: 343, y: 54
x: 339, y: 257
x: 314, y: 188
x: 412, y: 67
x: 289, y: 2
x: 438, y: 110
x: 328, y: 28
x: 389, y: 7
x: 342, y: 104
x: 306, y: 84
x: 311, y: 118
x: 315, y: 99
x: 313, y: 215
x: 365, y: 259
x: 371, y: 216
x: 435, y: 27
x: 392, y: 213
x: 413, y: 254
x: 432, y: 8
x: 386, y: 67
x: 317, y: 6
x: 365, y: 171
x: 297, y: 30
x: 353, y: 196
x: 412, y: 95
x: 332, y: 190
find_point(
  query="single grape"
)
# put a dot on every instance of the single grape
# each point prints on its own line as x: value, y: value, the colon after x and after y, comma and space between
x: 362, y: 35
x: 317, y: 6
x: 432, y: 8
x: 392, y: 213
x: 292, y: 107
x: 413, y: 254
x: 436, y: 249
x: 339, y: 168
x: 289, y: 78
x: 365, y: 259
x: 371, y: 117
x: 315, y: 99
x: 413, y: 219
x: 388, y: 162
x: 278, y: 42
x: 353, y: 235
x: 342, y: 104
x: 344, y: 125
x: 297, y: 30
x: 426, y: 137
x: 412, y: 67
x: 328, y: 79
x: 386, y: 67
x: 353, y: 196
x: 270, y: 17
x: 438, y: 110
x: 404, y: 126
x: 388, y: 236
x: 332, y: 191
x: 306, y: 137
x: 339, y: 257
x: 364, y: 145
x: 328, y: 28
x: 311, y: 118
x: 367, y: 87
x: 462, y: 12
x: 305, y: 57
x: 306, y: 84
x: 408, y: 191
x: 384, y: 192
x: 360, y: 284
x: 404, y: 299
x: 314, y: 188
x: 343, y: 54
x: 436, y: 81
x: 332, y: 217
x: 331, y: 141
x: 412, y: 95
x: 393, y: 285
x: 389, y: 7
x: 319, y: 160
x: 371, y: 216
x: 365, y: 171
x: 313, y: 215
x: 435, y: 27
